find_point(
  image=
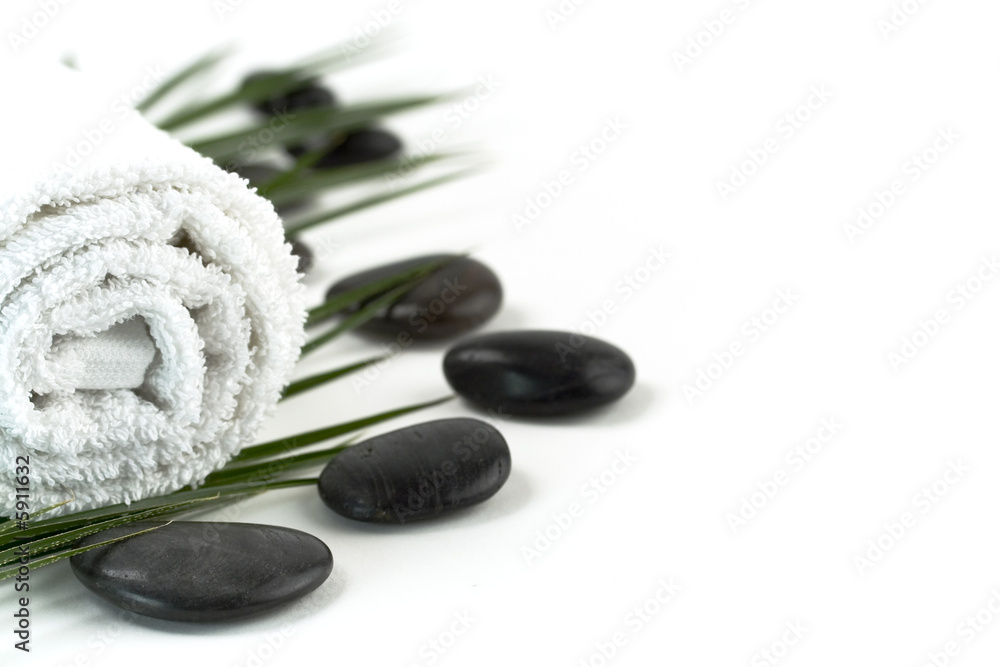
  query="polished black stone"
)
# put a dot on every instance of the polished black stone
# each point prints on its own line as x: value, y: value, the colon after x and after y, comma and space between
x: 305, y: 255
x: 457, y: 297
x: 361, y: 146
x: 538, y: 373
x: 309, y: 95
x: 417, y: 472
x: 202, y: 571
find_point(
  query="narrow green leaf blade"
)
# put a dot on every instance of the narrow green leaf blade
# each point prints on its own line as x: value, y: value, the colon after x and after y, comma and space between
x: 11, y: 526
x: 301, y: 166
x: 285, y: 445
x: 200, y: 66
x: 335, y: 58
x: 340, y: 56
x: 353, y: 321
x: 78, y: 519
x: 293, y: 128
x: 8, y: 572
x: 324, y: 179
x: 250, y: 92
x: 370, y: 202
x: 339, y: 302
x: 45, y: 544
x: 270, y: 469
x: 318, y: 380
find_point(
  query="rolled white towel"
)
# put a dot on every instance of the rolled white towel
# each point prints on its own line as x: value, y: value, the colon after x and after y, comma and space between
x: 150, y: 310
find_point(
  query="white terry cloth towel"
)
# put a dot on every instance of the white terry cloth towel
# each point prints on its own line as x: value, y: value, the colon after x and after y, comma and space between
x: 150, y: 309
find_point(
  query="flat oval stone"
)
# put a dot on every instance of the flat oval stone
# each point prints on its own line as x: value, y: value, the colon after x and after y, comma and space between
x: 538, y: 373
x: 361, y: 146
x: 417, y: 472
x: 307, y: 95
x: 459, y: 296
x: 203, y: 571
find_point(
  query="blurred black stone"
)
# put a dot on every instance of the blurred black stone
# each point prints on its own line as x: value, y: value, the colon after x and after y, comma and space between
x: 360, y: 147
x: 261, y: 173
x: 459, y: 296
x: 305, y: 255
x: 309, y: 95
x: 258, y: 173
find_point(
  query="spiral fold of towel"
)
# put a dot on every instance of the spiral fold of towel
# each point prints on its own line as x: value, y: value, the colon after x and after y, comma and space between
x: 150, y: 309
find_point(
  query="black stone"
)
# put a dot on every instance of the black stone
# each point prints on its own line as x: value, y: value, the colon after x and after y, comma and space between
x: 195, y: 571
x: 304, y: 254
x: 417, y: 472
x: 457, y: 297
x: 308, y: 95
x: 361, y: 146
x: 538, y: 373
x: 260, y: 173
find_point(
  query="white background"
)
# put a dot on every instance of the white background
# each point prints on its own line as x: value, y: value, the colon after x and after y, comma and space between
x: 696, y: 457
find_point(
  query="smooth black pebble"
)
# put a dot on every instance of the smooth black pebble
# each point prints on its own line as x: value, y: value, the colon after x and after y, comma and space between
x: 361, y: 146
x: 417, y: 472
x: 309, y: 95
x: 538, y: 373
x: 453, y: 299
x: 305, y: 255
x: 200, y: 571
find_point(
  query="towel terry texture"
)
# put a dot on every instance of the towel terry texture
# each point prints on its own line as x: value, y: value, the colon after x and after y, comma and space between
x: 150, y: 309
